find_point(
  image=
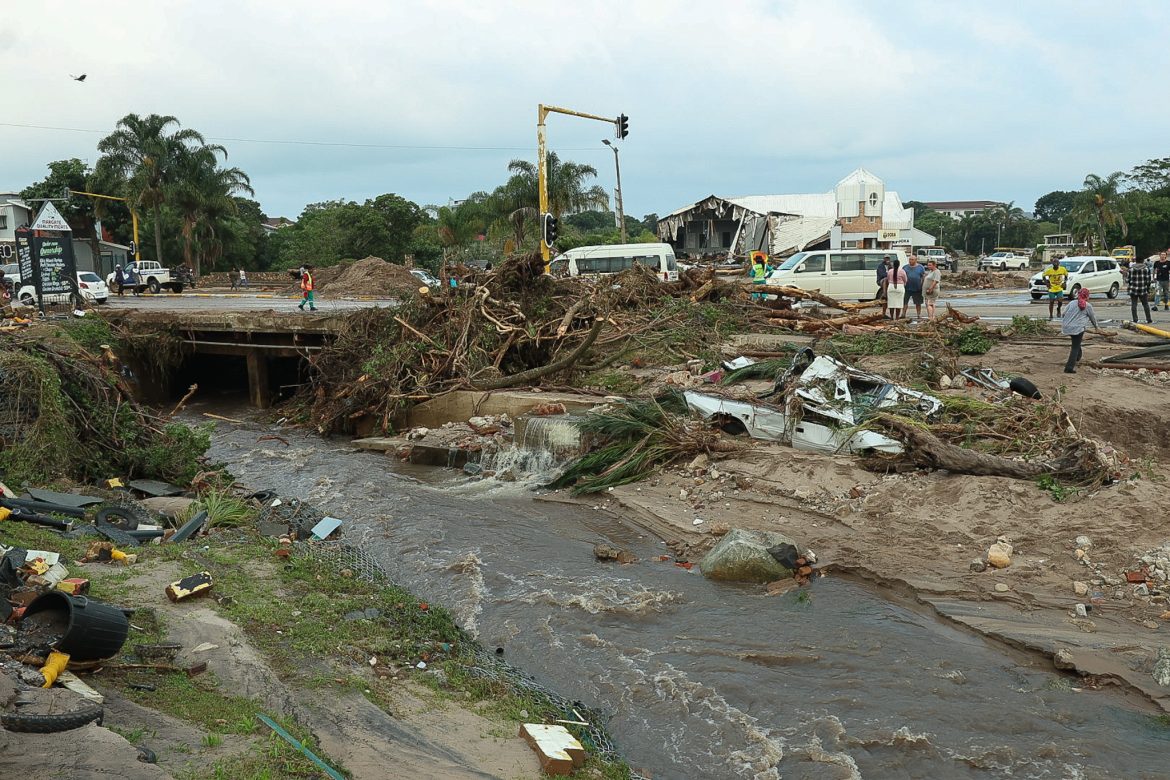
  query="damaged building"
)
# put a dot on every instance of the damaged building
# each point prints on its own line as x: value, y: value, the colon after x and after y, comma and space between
x: 858, y: 213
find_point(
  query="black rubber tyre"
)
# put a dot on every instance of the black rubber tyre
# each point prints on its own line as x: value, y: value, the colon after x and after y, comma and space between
x: 51, y: 724
x: 1113, y: 290
x: 1024, y: 387
x: 1072, y: 294
x: 118, y: 517
x: 1035, y: 296
x: 153, y: 286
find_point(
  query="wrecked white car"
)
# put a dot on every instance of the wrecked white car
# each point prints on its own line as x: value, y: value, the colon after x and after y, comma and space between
x: 822, y: 402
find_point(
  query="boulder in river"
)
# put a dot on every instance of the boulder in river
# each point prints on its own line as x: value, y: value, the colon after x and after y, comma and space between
x: 743, y: 556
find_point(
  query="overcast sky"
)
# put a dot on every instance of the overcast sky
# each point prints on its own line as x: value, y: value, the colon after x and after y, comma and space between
x: 944, y: 100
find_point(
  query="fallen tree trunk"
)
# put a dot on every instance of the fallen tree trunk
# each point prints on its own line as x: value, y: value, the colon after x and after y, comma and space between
x: 531, y: 375
x: 926, y: 449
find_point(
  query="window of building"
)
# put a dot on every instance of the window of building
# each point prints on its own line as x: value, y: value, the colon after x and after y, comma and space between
x: 849, y: 244
x: 848, y: 220
x: 873, y: 200
x: 726, y: 239
x: 3, y: 221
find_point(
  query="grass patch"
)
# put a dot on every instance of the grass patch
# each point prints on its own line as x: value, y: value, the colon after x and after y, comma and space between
x: 614, y: 381
x: 972, y: 340
x: 90, y: 333
x: 223, y: 509
x: 1059, y: 492
x: 1023, y: 325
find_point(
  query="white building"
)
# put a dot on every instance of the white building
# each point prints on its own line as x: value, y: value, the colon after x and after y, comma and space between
x: 859, y: 212
x: 14, y: 213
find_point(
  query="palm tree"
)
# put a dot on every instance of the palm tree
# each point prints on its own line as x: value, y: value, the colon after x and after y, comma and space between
x: 1100, y: 199
x: 203, y: 194
x: 568, y: 192
x: 143, y: 152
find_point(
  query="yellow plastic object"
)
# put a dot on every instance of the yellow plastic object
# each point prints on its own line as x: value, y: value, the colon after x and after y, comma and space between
x: 5, y: 513
x: 53, y: 667
x: 1151, y: 330
x: 117, y: 555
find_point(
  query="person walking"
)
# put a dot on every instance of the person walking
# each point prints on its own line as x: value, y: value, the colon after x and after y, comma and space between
x: 119, y: 279
x: 932, y: 284
x: 307, y: 288
x: 883, y: 278
x: 131, y: 276
x: 1140, y: 278
x: 233, y: 279
x: 1161, y: 271
x: 243, y: 278
x: 1075, y: 321
x: 1056, y: 275
x: 913, y: 275
x: 895, y: 289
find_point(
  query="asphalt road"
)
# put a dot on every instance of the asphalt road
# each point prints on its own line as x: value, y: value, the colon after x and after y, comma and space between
x: 992, y: 305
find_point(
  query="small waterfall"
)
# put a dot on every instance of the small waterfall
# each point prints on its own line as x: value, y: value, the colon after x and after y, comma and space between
x: 542, y: 447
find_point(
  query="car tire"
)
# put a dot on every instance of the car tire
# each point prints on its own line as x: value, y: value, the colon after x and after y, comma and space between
x: 28, y: 300
x: 1036, y: 296
x: 1022, y: 266
x: 153, y: 286
x: 1114, y: 289
x: 1076, y: 288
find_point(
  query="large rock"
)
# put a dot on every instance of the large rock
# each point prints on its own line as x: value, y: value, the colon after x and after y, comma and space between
x: 742, y: 556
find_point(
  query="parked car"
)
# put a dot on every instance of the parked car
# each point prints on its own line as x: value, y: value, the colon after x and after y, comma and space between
x: 1002, y: 261
x: 426, y: 277
x: 151, y: 276
x: 1097, y: 274
x: 89, y: 284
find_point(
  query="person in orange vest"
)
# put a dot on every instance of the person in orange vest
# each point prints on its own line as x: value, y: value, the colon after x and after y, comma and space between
x: 307, y: 288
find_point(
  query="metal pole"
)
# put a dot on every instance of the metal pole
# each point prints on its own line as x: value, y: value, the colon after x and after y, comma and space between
x: 542, y: 182
x: 621, y: 214
x: 137, y: 245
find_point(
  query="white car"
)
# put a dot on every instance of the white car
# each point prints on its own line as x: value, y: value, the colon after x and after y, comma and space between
x: 1003, y: 261
x: 1096, y: 273
x: 91, y: 286
x: 426, y: 277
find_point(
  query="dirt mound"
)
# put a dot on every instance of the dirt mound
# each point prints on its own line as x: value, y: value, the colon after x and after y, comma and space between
x: 369, y: 276
x: 984, y: 280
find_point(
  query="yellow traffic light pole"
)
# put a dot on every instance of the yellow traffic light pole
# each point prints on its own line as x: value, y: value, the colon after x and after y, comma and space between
x: 133, y: 216
x: 542, y: 111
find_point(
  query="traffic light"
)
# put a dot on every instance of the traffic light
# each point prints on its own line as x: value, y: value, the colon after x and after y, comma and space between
x: 623, y: 126
x: 549, y: 229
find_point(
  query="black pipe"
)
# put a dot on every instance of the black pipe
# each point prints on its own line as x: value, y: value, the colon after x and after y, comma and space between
x: 41, y: 506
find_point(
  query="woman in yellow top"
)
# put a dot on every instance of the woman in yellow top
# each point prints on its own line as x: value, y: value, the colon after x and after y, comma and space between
x: 1056, y: 276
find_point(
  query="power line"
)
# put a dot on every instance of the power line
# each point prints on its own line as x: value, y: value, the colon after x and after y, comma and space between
x: 285, y: 142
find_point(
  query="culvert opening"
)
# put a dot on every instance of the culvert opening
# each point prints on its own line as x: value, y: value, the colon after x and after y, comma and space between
x: 262, y: 379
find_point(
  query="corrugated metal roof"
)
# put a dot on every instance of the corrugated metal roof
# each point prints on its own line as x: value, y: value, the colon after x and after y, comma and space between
x: 793, y: 235
x: 819, y: 205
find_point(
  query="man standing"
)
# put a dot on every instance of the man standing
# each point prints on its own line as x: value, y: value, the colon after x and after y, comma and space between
x: 914, y: 276
x: 1141, y: 278
x: 1056, y: 275
x: 933, y: 282
x: 1162, y: 277
x: 307, y: 288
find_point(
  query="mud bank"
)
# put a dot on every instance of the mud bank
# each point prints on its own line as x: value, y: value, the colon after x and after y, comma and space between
x: 924, y: 534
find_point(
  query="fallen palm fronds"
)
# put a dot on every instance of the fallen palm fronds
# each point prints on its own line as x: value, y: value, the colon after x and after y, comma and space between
x: 634, y: 438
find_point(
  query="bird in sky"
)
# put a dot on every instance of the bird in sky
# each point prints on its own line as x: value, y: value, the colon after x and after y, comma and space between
x: 77, y: 78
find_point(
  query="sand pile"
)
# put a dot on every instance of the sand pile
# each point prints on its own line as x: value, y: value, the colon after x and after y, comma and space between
x: 368, y: 276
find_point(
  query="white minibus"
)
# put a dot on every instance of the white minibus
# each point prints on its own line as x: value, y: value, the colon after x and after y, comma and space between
x: 614, y: 258
x: 845, y: 274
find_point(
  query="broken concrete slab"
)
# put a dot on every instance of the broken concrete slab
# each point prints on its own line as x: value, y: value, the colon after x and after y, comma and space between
x: 558, y: 750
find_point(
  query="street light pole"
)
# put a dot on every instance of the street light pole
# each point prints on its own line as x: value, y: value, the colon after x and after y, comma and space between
x: 621, y: 214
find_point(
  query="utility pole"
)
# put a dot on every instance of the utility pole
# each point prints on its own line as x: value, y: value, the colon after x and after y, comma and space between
x: 617, y: 193
x: 621, y: 124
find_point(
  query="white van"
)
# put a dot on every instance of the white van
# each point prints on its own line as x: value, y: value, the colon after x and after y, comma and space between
x: 614, y: 258
x: 845, y: 274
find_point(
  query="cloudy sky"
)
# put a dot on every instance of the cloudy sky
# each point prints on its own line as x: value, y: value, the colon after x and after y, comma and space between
x: 430, y: 100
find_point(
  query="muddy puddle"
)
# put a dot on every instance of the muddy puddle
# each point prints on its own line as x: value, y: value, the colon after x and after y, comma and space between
x: 706, y: 680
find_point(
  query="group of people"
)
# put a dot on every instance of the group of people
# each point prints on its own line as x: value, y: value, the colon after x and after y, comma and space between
x: 125, y: 277
x: 898, y: 285
x: 1144, y: 280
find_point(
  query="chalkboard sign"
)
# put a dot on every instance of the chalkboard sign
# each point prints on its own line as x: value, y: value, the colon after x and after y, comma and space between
x: 57, y: 266
x: 24, y: 255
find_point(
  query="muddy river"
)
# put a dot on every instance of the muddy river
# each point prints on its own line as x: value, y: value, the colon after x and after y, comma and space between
x: 705, y: 680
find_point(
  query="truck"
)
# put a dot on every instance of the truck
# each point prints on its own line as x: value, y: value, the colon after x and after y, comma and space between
x: 151, y: 276
x: 1124, y: 254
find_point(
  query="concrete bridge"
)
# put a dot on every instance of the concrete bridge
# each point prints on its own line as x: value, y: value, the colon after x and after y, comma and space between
x: 262, y: 339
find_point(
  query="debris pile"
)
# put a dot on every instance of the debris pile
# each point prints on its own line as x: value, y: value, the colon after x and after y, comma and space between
x: 985, y: 280
x: 66, y: 412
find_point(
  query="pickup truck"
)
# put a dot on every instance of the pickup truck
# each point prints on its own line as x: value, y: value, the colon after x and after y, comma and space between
x: 151, y: 276
x: 1002, y: 261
